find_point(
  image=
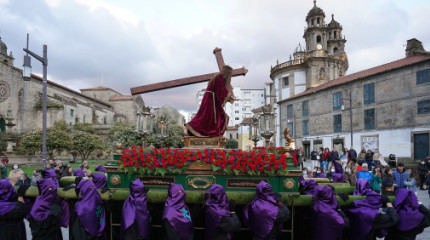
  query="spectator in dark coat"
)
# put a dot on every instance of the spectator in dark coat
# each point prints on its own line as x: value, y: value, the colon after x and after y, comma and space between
x: 422, y: 171
x: 334, y: 154
x: 369, y: 159
x: 352, y: 154
x: 23, y: 180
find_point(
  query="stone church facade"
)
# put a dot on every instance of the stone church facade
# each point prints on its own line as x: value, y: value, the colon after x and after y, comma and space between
x: 390, y: 104
x: 21, y: 102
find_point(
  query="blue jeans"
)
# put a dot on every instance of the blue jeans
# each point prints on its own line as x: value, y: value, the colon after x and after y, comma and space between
x: 325, y: 166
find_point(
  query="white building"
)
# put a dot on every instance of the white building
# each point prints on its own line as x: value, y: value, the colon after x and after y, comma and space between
x: 249, y: 99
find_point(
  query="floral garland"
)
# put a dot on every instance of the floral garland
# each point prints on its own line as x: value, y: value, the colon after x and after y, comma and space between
x: 161, y: 161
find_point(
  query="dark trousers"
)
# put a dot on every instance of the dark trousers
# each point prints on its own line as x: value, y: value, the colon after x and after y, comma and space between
x: 422, y: 180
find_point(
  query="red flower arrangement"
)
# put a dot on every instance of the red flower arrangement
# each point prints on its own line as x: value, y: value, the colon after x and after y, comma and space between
x: 154, y: 161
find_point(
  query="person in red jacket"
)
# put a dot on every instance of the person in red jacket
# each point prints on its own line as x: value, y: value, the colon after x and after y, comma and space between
x: 326, y: 159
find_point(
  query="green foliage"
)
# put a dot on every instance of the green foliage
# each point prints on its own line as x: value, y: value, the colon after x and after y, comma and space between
x: 85, y: 143
x: 231, y: 144
x: 174, y: 139
x: 84, y: 127
x: 60, y: 125
x: 57, y: 141
x: 126, y: 134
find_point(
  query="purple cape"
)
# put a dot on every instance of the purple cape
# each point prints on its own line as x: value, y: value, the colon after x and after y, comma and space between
x: 90, y: 208
x: 406, y: 205
x: 320, y: 175
x: 99, y: 180
x: 337, y: 167
x: 338, y: 178
x: 7, y: 197
x: 362, y: 215
x: 177, y: 212
x: 51, y: 174
x: 47, y: 195
x: 79, y: 172
x: 309, y: 186
x: 100, y: 169
x: 328, y: 224
x: 260, y: 214
x: 217, y: 206
x: 361, y: 187
x: 135, y: 210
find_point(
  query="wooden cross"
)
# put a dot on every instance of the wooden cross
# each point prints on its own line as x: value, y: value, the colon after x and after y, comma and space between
x: 188, y: 80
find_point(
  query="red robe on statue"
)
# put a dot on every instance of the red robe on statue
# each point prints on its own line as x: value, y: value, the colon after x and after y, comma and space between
x: 211, y: 120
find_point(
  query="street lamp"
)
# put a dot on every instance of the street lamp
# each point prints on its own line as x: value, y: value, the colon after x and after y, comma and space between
x: 265, y: 125
x: 255, y: 138
x: 144, y: 123
x: 164, y: 130
x: 350, y: 113
x: 27, y: 77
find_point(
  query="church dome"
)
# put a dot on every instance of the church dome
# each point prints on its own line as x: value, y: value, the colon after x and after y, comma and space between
x: 315, y: 11
x: 299, y: 48
x: 334, y: 24
x: 3, y: 47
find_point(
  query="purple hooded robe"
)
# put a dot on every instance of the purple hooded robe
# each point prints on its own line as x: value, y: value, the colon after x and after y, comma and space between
x: 261, y: 213
x: 79, y: 172
x: 362, y: 215
x: 100, y: 169
x: 309, y: 186
x: 217, y: 206
x: 328, y: 224
x: 320, y: 175
x: 100, y: 180
x: 135, y: 210
x: 89, y: 208
x: 406, y: 205
x: 338, y: 178
x: 48, y: 193
x: 361, y: 187
x: 7, y: 197
x: 337, y: 167
x: 177, y: 212
x: 51, y: 174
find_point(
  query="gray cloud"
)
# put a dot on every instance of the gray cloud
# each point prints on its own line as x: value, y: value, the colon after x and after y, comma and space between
x: 94, y: 42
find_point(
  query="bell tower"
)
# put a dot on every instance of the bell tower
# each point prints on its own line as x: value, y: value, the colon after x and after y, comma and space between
x: 325, y: 49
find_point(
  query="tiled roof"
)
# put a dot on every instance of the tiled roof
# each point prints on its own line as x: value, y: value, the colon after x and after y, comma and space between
x: 70, y: 90
x: 363, y: 74
x: 246, y: 121
x: 99, y: 88
x: 121, y: 97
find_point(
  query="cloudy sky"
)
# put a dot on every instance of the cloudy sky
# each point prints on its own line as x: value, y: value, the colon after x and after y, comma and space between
x: 123, y: 43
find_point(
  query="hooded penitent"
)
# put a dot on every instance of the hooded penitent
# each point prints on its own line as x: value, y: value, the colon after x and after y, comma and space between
x: 261, y: 213
x: 328, y: 223
x: 79, y: 172
x: 338, y: 178
x: 7, y: 197
x: 99, y: 180
x: 337, y: 167
x: 100, y: 169
x: 362, y: 214
x: 217, y: 206
x: 90, y: 208
x: 320, y: 175
x: 177, y: 212
x: 309, y: 186
x: 406, y: 205
x: 51, y: 174
x: 41, y: 207
x: 135, y: 210
x: 361, y: 187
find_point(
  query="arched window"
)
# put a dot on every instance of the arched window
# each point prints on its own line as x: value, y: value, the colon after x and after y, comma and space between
x: 335, y: 34
x: 318, y: 20
x: 322, y: 74
x: 335, y: 49
x: 318, y: 39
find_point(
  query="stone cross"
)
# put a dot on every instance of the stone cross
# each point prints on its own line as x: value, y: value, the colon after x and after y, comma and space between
x: 188, y: 80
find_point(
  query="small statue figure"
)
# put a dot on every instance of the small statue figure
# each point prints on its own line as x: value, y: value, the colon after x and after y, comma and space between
x: 288, y: 139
